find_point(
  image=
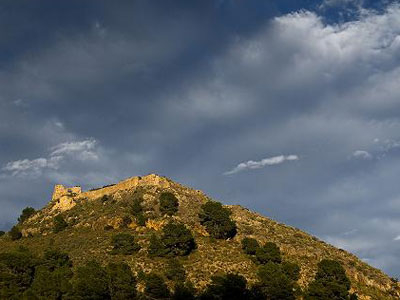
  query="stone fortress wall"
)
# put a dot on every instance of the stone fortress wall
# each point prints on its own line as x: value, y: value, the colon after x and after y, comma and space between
x: 64, y: 197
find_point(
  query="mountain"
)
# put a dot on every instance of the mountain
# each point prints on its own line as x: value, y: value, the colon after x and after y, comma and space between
x: 83, y: 225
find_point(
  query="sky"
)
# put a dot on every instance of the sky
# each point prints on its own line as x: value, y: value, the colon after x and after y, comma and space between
x: 289, y: 109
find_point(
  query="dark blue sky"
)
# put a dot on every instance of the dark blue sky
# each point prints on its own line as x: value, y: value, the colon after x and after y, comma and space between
x: 290, y: 108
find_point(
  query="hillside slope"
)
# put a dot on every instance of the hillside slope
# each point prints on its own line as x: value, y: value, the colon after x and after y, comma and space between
x: 95, y: 216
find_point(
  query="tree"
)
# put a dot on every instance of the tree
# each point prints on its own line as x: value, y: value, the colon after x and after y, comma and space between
x: 2, y: 233
x: 91, y: 282
x: 136, y: 210
x: 273, y: 284
x: 177, y: 240
x: 216, y: 219
x: 121, y: 281
x: 26, y: 213
x: 250, y: 246
x: 15, y: 233
x: 175, y: 270
x: 124, y: 243
x: 184, y: 292
x: 268, y: 253
x: 59, y: 224
x: 226, y: 287
x: 52, y: 276
x: 168, y: 204
x: 156, y: 247
x: 155, y: 287
x: 17, y: 271
x: 330, y: 282
x: 291, y: 270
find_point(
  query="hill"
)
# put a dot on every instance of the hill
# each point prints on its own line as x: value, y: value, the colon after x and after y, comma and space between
x: 92, y: 219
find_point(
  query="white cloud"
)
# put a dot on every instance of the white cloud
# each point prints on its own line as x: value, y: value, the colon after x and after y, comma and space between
x: 80, y: 150
x: 249, y: 165
x: 397, y: 238
x: 83, y: 150
x: 361, y: 154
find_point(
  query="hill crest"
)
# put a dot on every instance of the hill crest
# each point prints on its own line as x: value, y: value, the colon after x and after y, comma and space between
x: 94, y: 215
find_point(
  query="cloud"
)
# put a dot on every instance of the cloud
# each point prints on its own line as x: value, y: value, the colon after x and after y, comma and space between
x: 81, y: 150
x: 250, y: 165
x: 361, y: 154
x: 397, y: 238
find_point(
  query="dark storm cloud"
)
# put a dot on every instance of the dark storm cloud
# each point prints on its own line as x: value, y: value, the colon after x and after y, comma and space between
x: 95, y: 92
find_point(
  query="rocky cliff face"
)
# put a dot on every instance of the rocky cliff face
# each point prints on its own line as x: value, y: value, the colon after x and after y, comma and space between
x: 94, y: 216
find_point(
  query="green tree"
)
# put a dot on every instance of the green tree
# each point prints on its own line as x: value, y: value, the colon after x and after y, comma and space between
x: 330, y: 282
x: 273, y: 283
x: 26, y: 213
x: 177, y: 240
x: 59, y: 224
x: 291, y: 270
x: 15, y: 233
x: 121, y: 281
x: 216, y: 219
x: 137, y: 211
x: 268, y: 253
x: 184, y: 291
x: 17, y: 270
x: 175, y: 270
x: 91, y: 282
x: 168, y: 204
x: 124, y: 243
x: 250, y: 246
x: 226, y: 287
x: 2, y: 233
x: 156, y: 247
x: 155, y: 287
x: 52, y: 276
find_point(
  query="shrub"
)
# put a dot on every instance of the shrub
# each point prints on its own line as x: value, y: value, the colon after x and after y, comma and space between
x: 155, y: 287
x: 330, y: 282
x: 175, y: 270
x: 229, y: 286
x: 2, y: 233
x: 121, y: 281
x: 26, y: 213
x: 59, y: 224
x: 168, y: 204
x: 250, y: 246
x: 124, y: 243
x: 268, y: 253
x: 15, y: 233
x: 216, y: 219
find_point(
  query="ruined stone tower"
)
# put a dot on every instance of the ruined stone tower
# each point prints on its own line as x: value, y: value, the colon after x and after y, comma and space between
x: 60, y: 191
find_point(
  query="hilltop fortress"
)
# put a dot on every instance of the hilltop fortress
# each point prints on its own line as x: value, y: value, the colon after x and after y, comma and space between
x: 64, y: 198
